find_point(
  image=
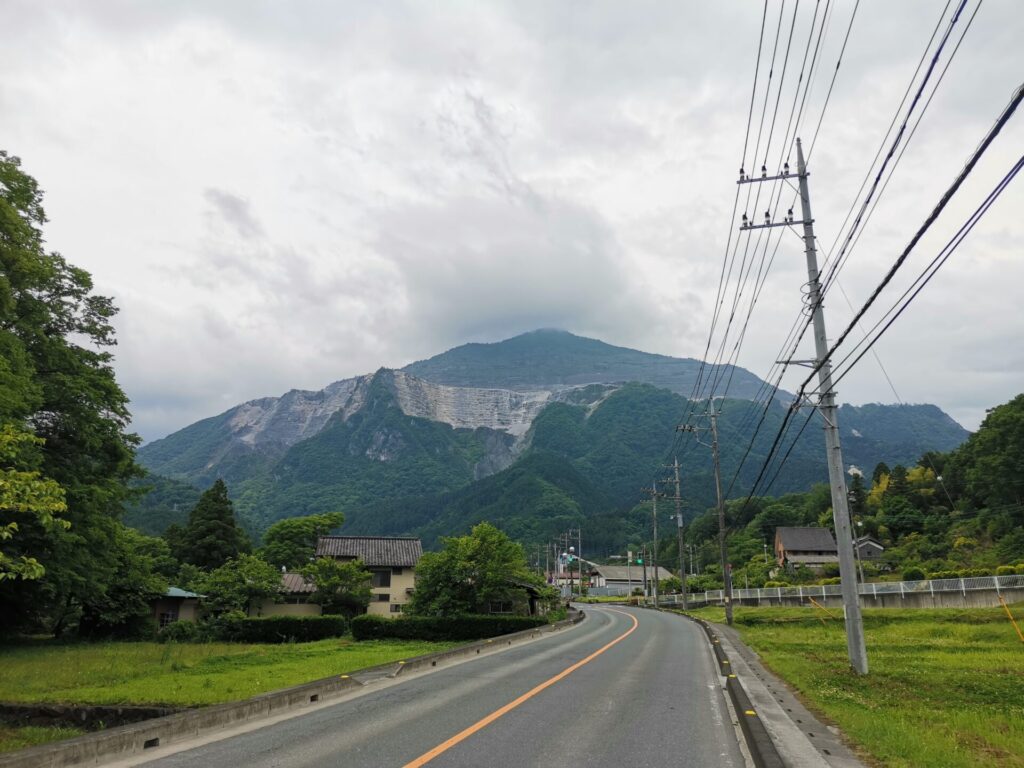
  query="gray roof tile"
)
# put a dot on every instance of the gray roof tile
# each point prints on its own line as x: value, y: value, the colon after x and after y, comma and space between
x: 806, y: 539
x: 372, y: 550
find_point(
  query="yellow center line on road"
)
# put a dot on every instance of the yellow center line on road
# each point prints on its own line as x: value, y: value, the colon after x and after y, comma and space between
x: 480, y: 724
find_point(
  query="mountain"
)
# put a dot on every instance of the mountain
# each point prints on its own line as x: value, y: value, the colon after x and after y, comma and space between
x: 530, y: 432
x: 551, y: 358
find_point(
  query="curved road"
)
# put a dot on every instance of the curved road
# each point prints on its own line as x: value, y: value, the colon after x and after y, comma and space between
x: 624, y: 688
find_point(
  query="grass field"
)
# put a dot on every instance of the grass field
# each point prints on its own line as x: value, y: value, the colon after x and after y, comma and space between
x: 945, y: 689
x: 183, y: 675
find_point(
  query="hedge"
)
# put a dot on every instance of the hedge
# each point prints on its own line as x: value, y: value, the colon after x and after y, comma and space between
x: 281, y: 629
x: 466, y: 627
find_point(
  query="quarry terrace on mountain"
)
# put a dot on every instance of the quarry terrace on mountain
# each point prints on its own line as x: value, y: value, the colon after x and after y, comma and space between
x: 538, y: 428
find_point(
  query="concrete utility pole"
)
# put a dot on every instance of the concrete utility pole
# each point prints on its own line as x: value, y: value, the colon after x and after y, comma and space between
x: 643, y: 562
x: 579, y: 557
x: 726, y: 572
x: 653, y: 491
x: 827, y: 408
x: 679, y: 533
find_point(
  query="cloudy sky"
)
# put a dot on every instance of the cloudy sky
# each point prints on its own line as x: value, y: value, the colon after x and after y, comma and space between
x: 279, y: 195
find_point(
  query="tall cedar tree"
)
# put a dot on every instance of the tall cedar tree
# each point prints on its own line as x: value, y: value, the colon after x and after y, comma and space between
x: 57, y: 384
x: 212, y: 536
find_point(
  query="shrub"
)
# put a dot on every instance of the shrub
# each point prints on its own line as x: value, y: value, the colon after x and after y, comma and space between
x: 944, y: 575
x: 464, y: 627
x: 830, y: 581
x: 913, y: 574
x: 179, y: 632
x: 1019, y: 570
x: 777, y: 584
x: 1005, y: 570
x: 280, y: 629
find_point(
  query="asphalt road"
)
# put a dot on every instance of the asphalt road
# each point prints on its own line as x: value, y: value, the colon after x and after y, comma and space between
x: 650, y: 698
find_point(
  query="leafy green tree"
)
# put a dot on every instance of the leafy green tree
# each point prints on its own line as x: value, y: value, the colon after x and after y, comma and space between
x: 772, y: 517
x: 56, y: 382
x: 898, y: 483
x: 341, y: 587
x: 990, y: 461
x: 471, y: 573
x: 238, y: 582
x: 212, y: 536
x: 123, y: 608
x: 24, y: 493
x: 291, y: 543
x: 880, y: 469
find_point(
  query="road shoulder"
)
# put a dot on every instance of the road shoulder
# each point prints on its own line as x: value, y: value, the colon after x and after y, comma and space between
x: 802, y: 740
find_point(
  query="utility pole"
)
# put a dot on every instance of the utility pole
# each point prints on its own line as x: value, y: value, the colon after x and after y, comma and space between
x: 723, y: 552
x: 579, y: 557
x: 643, y: 562
x: 726, y: 571
x: 678, y: 499
x: 827, y: 408
x: 654, y: 494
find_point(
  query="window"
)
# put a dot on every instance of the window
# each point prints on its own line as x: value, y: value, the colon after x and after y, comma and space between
x: 396, y: 608
x: 380, y: 578
x: 168, y: 618
x: 383, y: 597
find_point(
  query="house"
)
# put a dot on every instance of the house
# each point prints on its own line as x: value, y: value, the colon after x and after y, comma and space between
x: 623, y: 579
x: 811, y: 547
x: 175, y: 605
x: 869, y: 548
x: 294, y: 600
x: 391, y: 561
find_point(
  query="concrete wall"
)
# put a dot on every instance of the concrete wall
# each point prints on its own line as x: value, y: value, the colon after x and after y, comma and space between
x: 397, y: 594
x: 187, y: 609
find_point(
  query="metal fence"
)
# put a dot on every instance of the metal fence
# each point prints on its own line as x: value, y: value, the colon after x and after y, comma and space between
x: 872, y: 589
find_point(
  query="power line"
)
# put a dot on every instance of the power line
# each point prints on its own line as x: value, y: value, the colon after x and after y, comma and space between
x: 994, y: 131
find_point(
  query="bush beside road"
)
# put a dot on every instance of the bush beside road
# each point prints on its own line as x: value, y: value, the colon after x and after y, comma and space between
x: 946, y: 688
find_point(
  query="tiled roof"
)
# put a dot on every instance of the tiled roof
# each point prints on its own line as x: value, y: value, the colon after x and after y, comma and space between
x: 372, y: 550
x: 177, y: 592
x: 806, y: 539
x: 632, y: 573
x: 295, y: 584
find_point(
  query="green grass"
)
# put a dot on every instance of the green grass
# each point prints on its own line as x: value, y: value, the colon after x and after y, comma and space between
x: 945, y: 689
x: 14, y: 737
x: 183, y: 674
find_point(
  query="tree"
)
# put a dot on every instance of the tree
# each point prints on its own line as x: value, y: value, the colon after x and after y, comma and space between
x: 122, y: 610
x: 990, y: 461
x: 57, y: 383
x: 471, y: 573
x: 880, y: 469
x: 212, y: 536
x: 341, y: 587
x: 291, y: 543
x: 239, y: 582
x: 24, y: 493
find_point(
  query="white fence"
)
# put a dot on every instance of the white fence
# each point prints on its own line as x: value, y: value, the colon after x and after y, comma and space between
x: 871, y: 589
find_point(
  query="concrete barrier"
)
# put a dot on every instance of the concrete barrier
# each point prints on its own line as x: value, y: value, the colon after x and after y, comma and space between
x: 127, y: 740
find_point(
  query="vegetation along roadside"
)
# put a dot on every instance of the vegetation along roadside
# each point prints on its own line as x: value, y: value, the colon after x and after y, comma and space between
x: 945, y: 689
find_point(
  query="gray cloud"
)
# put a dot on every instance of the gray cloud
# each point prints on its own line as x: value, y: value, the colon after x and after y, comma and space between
x: 307, y: 193
x: 235, y: 212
